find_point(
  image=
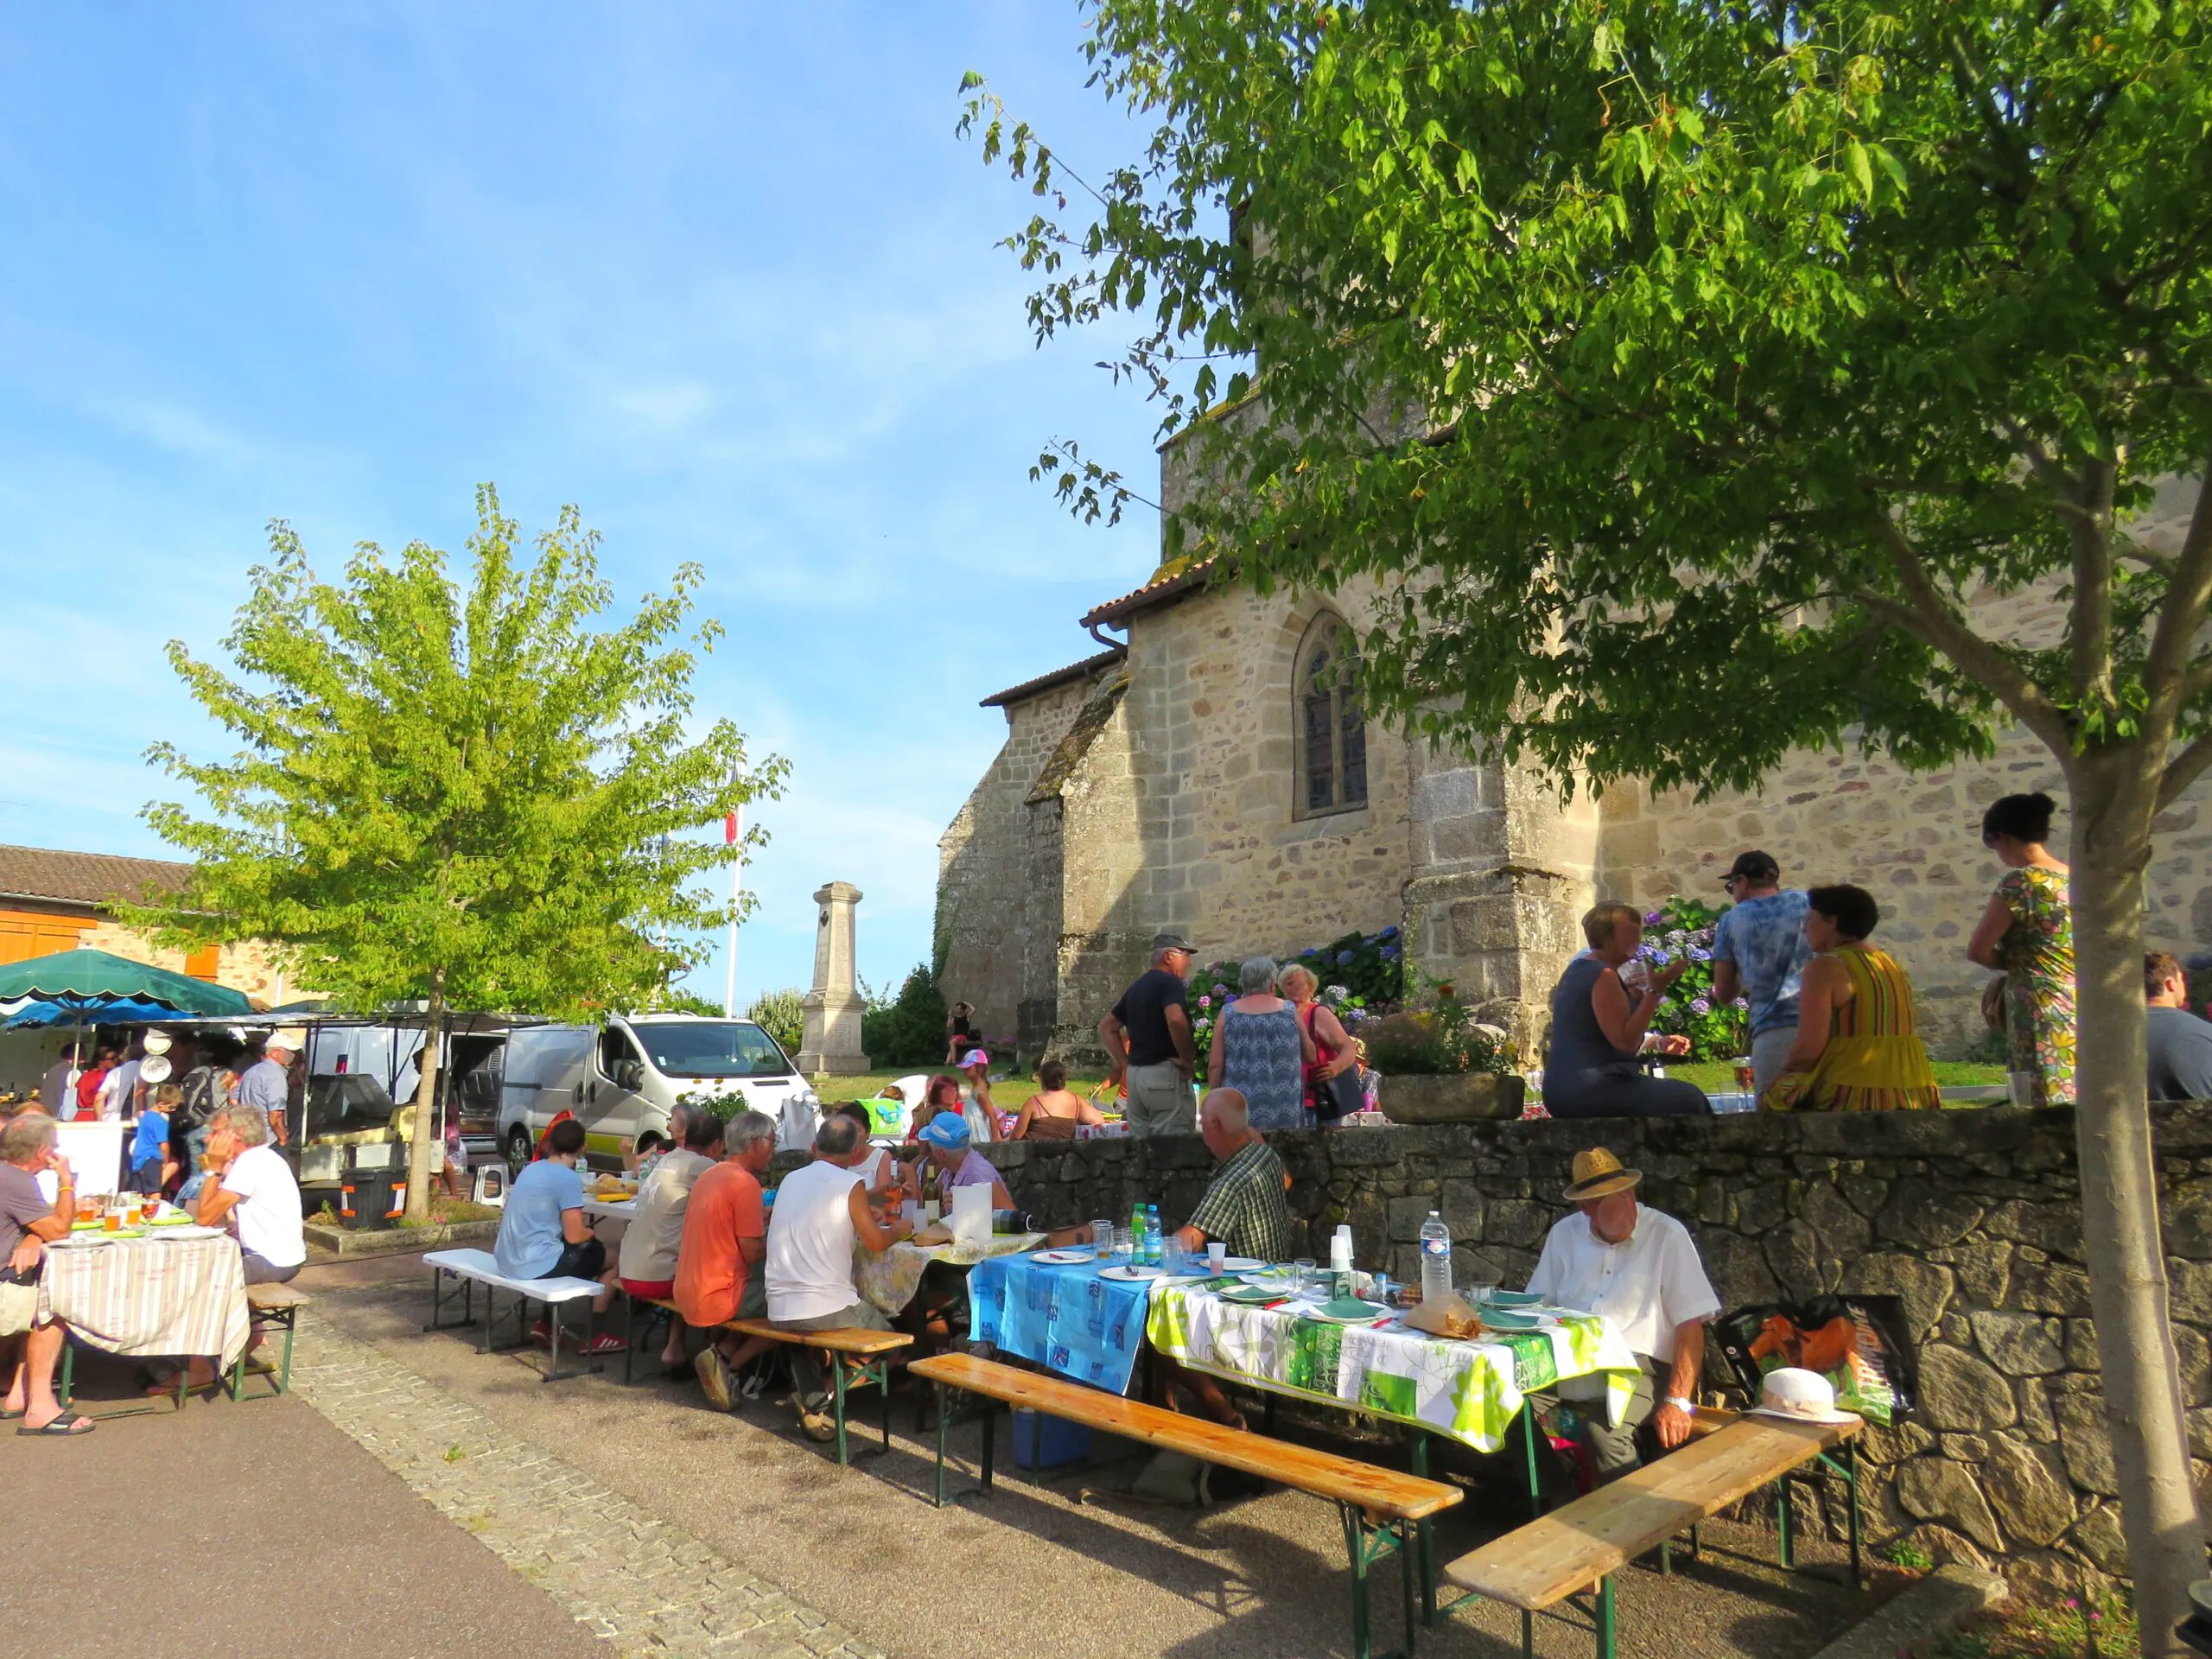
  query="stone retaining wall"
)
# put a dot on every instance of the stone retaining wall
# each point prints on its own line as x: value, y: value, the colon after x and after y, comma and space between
x: 1973, y: 1217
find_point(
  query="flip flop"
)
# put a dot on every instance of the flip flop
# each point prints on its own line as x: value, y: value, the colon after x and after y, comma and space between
x: 7, y: 1416
x: 65, y: 1425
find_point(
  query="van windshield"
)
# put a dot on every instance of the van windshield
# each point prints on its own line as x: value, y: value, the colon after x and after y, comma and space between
x: 711, y: 1048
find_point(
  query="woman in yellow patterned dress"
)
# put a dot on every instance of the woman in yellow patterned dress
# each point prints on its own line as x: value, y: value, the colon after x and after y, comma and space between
x: 1858, y: 1047
x: 2028, y: 931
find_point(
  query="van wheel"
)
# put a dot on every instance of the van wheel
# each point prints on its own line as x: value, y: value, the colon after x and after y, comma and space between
x: 518, y: 1150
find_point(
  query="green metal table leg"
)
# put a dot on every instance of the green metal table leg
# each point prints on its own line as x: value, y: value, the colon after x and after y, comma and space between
x: 837, y: 1374
x: 291, y: 1329
x: 1408, y: 1569
x: 990, y: 1439
x: 883, y: 1386
x: 1605, y: 1634
x: 1363, y: 1645
x: 68, y: 1389
x: 1423, y: 1534
x: 1851, y: 1479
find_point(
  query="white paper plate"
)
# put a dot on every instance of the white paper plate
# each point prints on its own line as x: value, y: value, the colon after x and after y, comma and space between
x: 1242, y: 1264
x: 1064, y: 1258
x: 1270, y: 1280
x: 189, y: 1229
x: 1134, y: 1274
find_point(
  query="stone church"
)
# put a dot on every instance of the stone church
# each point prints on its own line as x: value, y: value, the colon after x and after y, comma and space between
x: 1205, y: 773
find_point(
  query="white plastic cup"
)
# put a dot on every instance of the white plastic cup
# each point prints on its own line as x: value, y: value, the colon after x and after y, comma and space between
x: 1217, y: 1254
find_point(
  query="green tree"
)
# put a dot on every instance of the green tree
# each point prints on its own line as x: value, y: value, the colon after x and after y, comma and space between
x: 782, y: 1015
x: 909, y: 1029
x: 472, y: 797
x: 1689, y: 376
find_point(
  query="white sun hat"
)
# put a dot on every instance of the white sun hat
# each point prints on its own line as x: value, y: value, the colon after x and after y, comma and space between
x: 156, y: 1042
x: 1801, y: 1396
x: 154, y: 1070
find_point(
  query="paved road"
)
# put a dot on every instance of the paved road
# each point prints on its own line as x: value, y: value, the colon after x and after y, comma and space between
x: 257, y: 1531
x: 1063, y: 1569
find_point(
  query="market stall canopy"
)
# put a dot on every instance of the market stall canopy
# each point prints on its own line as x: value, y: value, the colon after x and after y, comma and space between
x: 43, y: 990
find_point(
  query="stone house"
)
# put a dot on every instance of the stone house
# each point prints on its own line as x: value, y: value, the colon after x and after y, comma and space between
x: 1205, y: 773
x: 51, y: 900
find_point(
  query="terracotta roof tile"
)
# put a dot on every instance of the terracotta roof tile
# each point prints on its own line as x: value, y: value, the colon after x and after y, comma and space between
x: 1164, y: 585
x: 60, y: 877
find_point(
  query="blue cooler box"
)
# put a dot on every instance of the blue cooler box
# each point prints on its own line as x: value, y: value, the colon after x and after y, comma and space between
x: 1042, y: 1442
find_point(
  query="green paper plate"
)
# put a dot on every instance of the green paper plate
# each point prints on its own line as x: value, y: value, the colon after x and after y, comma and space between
x: 1499, y: 1319
x: 1251, y: 1295
x: 1513, y: 1298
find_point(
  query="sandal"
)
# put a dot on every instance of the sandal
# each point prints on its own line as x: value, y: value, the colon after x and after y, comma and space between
x: 65, y: 1425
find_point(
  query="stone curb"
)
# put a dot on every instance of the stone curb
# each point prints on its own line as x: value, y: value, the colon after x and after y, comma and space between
x: 350, y: 1241
x: 1942, y: 1601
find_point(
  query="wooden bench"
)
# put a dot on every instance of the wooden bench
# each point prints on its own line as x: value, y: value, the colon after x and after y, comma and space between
x: 470, y: 1269
x: 1575, y: 1550
x: 276, y: 1305
x: 1380, y: 1508
x: 857, y: 1356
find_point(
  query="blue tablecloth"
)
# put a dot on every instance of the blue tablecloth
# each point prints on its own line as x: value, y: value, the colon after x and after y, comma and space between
x: 1067, y: 1318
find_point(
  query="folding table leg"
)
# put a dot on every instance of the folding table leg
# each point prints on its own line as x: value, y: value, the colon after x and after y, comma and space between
x: 837, y: 1376
x: 1423, y: 1534
x: 1851, y: 1479
x: 1362, y: 1643
x: 944, y: 1416
x: 883, y: 1387
x: 1784, y: 1552
x: 1606, y: 1633
x: 990, y: 1439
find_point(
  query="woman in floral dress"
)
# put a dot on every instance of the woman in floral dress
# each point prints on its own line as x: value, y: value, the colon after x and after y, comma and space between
x: 2028, y: 931
x: 1262, y: 1050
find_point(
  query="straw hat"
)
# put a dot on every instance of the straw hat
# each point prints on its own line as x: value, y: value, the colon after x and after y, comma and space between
x: 156, y: 1042
x: 290, y: 1038
x: 155, y: 1069
x: 1597, y: 1173
x: 1801, y: 1396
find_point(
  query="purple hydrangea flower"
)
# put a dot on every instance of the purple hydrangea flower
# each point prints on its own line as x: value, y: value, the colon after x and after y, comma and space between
x: 1697, y: 954
x: 1388, y: 933
x: 1343, y: 958
x: 1699, y: 1005
x: 1389, y: 953
x: 1653, y: 918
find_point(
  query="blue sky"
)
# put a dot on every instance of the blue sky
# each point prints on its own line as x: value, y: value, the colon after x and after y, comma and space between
x: 719, y: 274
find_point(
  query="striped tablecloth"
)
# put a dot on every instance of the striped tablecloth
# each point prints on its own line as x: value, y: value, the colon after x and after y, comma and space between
x: 167, y: 1297
x: 889, y: 1281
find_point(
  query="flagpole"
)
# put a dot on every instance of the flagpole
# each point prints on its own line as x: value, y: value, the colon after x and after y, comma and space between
x: 734, y: 834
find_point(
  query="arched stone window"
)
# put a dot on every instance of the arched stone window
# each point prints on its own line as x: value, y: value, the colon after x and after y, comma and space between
x: 1331, y: 727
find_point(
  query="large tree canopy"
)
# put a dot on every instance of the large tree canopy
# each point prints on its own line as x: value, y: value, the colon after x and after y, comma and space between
x: 468, y: 794
x: 1689, y: 376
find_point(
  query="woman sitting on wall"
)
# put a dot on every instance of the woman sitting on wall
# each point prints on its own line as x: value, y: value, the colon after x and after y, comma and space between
x: 1858, y: 1047
x: 1598, y: 1030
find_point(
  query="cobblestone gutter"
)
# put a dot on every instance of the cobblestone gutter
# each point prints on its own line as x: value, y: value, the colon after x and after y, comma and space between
x: 645, y: 1586
x: 1972, y: 1217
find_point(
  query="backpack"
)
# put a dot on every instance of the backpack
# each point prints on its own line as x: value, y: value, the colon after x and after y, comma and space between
x: 201, y: 1096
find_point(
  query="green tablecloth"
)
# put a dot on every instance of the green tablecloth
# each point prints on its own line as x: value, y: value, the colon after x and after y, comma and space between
x: 1470, y: 1391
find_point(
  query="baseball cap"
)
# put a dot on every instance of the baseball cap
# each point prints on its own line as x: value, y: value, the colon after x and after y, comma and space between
x: 1754, y: 866
x: 1171, y: 942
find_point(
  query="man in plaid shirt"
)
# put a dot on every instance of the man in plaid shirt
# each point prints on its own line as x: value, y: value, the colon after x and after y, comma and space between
x: 1244, y: 1207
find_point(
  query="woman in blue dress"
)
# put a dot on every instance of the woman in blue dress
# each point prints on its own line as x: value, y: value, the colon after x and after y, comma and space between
x: 1262, y: 1050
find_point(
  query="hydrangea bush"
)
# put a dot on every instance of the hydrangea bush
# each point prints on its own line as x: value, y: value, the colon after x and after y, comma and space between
x: 1716, y: 1031
x: 1362, y: 976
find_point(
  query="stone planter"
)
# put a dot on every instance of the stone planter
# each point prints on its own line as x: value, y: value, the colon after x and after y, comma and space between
x: 1453, y: 1097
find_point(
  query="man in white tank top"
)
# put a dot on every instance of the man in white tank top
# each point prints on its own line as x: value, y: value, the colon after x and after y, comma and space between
x: 821, y: 1209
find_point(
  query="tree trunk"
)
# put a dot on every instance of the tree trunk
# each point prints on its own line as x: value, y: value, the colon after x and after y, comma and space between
x: 2112, y: 805
x: 426, y: 1094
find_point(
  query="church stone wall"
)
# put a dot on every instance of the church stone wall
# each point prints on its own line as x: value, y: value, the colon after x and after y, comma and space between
x: 983, y: 924
x: 1211, y: 731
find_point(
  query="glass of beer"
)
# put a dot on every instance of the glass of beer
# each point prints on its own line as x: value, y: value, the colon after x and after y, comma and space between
x: 1744, y: 1077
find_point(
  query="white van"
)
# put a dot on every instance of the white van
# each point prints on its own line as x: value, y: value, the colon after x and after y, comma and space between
x: 624, y: 1078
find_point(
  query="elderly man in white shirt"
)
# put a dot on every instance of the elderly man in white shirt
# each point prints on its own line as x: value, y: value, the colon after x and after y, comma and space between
x: 1640, y: 1269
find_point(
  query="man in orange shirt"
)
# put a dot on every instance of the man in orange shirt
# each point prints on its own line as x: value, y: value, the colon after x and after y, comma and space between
x: 718, y: 1272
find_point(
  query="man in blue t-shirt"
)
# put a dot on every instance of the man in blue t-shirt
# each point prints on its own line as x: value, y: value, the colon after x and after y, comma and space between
x: 543, y: 1233
x: 1759, y: 953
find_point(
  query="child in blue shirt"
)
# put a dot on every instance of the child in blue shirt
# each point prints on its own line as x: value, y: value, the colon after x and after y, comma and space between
x: 149, y: 1147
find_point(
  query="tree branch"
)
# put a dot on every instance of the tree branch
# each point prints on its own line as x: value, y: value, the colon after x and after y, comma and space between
x: 2092, y: 621
x: 2188, y: 592
x: 2185, y: 769
x: 1928, y: 619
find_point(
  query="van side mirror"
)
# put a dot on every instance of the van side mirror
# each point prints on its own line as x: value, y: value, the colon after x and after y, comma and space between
x: 631, y: 1075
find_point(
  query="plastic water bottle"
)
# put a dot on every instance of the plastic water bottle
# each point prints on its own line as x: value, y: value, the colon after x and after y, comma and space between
x: 1137, y: 1214
x: 1155, y: 1246
x: 1435, y: 1259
